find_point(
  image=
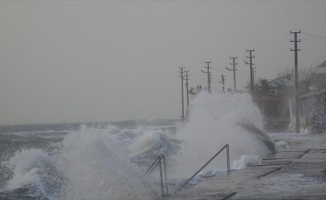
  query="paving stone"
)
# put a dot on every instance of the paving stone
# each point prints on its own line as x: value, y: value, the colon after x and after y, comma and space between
x: 289, y: 174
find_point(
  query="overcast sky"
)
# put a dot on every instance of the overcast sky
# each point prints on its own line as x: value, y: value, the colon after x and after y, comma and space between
x: 81, y: 61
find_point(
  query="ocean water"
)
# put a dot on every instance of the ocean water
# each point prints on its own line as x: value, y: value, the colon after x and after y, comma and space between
x: 109, y: 160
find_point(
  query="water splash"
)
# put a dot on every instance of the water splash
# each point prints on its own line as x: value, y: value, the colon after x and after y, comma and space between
x: 217, y: 119
x: 91, y: 163
x: 108, y: 162
x: 34, y: 174
x: 96, y: 166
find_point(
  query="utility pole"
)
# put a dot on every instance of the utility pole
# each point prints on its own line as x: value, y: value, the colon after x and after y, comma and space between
x: 234, y: 69
x: 182, y: 101
x: 222, y: 82
x: 253, y: 76
x: 187, y: 78
x: 297, y: 120
x: 208, y: 76
x: 254, y: 69
x: 251, y: 69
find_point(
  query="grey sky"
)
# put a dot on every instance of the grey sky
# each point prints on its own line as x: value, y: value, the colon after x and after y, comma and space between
x: 73, y: 61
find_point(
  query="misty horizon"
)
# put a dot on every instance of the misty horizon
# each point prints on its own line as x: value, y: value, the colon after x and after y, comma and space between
x: 102, y: 61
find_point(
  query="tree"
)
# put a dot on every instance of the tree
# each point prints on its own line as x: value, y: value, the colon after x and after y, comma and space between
x: 264, y: 86
x: 194, y: 91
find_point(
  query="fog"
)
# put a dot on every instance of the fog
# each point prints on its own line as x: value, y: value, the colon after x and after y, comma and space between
x: 84, y: 61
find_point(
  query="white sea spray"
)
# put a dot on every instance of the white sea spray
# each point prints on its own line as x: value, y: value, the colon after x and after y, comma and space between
x: 96, y: 166
x: 217, y: 119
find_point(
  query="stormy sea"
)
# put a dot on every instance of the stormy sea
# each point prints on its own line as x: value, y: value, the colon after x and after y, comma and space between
x: 108, y: 160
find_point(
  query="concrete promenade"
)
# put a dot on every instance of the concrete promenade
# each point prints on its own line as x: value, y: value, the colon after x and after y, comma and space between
x: 289, y: 174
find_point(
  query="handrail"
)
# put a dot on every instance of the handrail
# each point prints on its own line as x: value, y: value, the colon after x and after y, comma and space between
x: 157, y: 161
x: 150, y: 169
x: 227, y: 163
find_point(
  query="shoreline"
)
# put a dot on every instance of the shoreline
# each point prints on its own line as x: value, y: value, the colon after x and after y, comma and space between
x: 290, y: 173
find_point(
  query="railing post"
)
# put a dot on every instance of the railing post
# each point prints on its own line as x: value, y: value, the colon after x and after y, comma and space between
x: 228, y: 158
x: 161, y: 176
x: 166, y: 179
x: 228, y: 163
x: 150, y: 169
x: 158, y: 161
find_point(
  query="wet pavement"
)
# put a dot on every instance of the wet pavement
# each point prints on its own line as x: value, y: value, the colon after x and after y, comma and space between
x: 293, y: 173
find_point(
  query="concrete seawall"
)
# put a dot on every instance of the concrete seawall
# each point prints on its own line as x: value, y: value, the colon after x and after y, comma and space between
x: 292, y: 173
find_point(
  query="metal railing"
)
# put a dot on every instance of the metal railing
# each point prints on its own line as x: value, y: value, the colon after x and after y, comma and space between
x: 227, y: 163
x: 152, y: 167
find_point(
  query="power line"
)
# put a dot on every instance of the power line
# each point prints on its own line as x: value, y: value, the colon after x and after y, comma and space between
x: 217, y: 69
x: 198, y: 80
x: 247, y: 76
x: 224, y: 71
x: 229, y: 72
x: 320, y: 37
x: 244, y: 73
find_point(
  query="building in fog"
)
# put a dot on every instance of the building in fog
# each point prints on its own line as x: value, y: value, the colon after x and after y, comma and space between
x: 274, y: 103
